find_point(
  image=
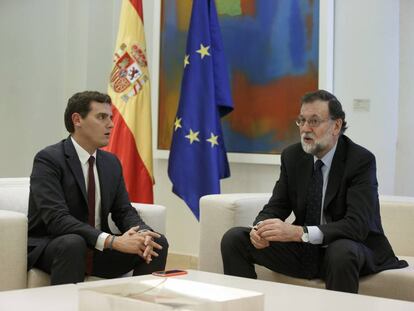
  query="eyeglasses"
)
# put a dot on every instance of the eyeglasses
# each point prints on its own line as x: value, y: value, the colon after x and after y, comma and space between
x: 312, y: 122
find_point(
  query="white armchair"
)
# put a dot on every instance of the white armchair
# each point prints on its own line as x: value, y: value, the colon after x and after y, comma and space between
x: 14, y: 198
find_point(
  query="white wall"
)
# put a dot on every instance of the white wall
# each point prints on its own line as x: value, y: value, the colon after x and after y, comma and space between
x: 367, y: 67
x: 404, y: 182
x: 31, y: 81
x: 50, y: 49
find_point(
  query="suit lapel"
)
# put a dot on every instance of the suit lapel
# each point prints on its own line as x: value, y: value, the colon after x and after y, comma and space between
x: 103, y: 182
x: 335, y: 173
x: 75, y: 165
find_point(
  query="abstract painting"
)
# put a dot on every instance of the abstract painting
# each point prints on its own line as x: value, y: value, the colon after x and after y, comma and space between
x: 272, y: 50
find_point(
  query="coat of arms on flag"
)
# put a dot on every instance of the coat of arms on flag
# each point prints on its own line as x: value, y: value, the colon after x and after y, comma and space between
x: 128, y: 71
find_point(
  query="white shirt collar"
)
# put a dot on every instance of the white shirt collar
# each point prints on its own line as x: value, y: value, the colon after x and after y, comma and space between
x: 327, y: 158
x: 82, y: 153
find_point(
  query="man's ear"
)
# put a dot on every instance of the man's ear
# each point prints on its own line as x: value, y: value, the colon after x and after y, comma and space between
x: 76, y: 119
x: 338, y: 126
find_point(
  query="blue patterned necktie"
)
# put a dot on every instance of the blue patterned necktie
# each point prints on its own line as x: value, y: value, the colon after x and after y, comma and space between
x: 314, y: 202
x: 313, y: 217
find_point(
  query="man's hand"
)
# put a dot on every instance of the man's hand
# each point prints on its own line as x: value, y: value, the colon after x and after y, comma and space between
x: 256, y: 240
x: 276, y: 230
x: 150, y: 244
x: 141, y: 243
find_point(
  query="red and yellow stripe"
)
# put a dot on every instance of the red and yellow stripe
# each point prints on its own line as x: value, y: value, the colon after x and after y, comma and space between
x: 131, y: 137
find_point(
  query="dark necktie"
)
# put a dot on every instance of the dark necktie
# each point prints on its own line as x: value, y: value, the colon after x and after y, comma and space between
x: 91, y: 211
x: 313, y: 209
x: 313, y: 217
x: 91, y: 192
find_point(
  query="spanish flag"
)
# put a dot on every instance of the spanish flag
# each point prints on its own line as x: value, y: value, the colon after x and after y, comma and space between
x: 129, y: 89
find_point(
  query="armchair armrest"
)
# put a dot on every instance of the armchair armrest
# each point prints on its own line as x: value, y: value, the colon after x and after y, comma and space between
x: 153, y: 215
x: 13, y: 254
x: 220, y: 212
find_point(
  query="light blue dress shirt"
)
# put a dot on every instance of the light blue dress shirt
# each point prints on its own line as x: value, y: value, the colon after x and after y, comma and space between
x: 315, y: 234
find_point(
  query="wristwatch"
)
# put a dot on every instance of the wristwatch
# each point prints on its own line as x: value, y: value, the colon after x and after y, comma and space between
x: 305, y: 235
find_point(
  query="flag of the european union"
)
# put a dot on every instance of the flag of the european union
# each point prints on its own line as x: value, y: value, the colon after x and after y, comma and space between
x: 198, y: 157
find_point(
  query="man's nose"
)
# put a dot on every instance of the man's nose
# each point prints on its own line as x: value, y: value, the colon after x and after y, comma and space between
x: 111, y: 123
x: 305, y: 128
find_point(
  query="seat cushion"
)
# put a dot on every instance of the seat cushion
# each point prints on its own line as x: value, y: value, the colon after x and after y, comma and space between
x: 395, y: 284
x: 38, y: 278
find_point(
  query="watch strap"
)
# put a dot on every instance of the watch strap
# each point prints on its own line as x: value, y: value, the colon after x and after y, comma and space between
x: 305, y: 235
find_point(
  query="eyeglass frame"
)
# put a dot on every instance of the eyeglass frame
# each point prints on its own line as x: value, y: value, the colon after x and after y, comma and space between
x: 302, y: 121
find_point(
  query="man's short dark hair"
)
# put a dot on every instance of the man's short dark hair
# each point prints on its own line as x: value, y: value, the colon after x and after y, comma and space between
x: 81, y: 103
x: 334, y: 106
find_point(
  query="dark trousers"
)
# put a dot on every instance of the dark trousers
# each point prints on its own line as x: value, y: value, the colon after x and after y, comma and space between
x: 340, y: 264
x: 64, y: 259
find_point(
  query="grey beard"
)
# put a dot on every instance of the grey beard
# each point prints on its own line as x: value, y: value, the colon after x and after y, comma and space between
x: 313, y: 150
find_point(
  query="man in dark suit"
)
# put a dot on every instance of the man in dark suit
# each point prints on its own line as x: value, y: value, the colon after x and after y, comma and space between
x: 330, y: 185
x: 74, y: 186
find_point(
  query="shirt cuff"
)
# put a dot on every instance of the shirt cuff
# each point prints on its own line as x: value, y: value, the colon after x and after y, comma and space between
x: 100, y: 242
x: 315, y: 235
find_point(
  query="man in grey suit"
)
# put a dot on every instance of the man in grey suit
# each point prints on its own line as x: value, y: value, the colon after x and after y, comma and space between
x: 73, y: 187
x: 330, y: 185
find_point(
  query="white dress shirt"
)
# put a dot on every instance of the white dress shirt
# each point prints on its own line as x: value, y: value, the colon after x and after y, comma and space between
x: 84, y: 156
x: 315, y: 234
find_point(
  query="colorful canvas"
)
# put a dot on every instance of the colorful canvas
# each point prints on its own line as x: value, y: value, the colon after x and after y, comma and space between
x: 272, y: 52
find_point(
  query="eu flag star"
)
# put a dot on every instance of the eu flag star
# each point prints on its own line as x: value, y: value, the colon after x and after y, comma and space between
x: 203, y: 51
x: 193, y: 136
x: 213, y: 140
x: 186, y: 60
x: 177, y: 123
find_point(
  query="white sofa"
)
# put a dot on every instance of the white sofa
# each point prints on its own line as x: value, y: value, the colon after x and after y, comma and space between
x: 14, y: 198
x: 220, y: 212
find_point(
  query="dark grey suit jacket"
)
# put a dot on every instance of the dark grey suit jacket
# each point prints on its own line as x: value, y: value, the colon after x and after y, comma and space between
x: 351, y: 205
x: 58, y: 199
